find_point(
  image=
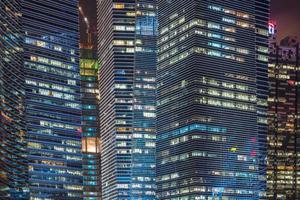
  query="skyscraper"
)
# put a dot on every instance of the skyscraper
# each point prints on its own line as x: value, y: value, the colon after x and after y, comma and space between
x: 283, y: 138
x: 127, y: 83
x: 90, y: 122
x: 90, y: 126
x: 91, y: 144
x: 212, y: 99
x: 13, y: 165
x: 53, y: 104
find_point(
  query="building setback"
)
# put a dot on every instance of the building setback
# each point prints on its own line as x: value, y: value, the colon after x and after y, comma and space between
x: 212, y: 99
x: 283, y: 138
x: 13, y: 165
x: 127, y: 83
x: 53, y: 104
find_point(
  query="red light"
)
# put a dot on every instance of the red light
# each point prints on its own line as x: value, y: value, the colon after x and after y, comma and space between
x: 291, y: 82
x: 253, y: 153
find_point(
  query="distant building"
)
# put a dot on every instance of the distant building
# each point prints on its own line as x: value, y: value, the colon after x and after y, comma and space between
x: 212, y: 99
x: 13, y: 164
x: 127, y: 83
x: 53, y: 98
x: 284, y: 136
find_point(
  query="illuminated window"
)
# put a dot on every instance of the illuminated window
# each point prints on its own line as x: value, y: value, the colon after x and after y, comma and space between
x: 34, y: 145
x: 228, y: 94
x: 228, y: 20
x: 123, y: 42
x: 242, y: 24
x: 173, y: 16
x: 214, y: 35
x: 262, y: 49
x: 263, y: 32
x: 149, y: 115
x: 214, y: 44
x: 132, y: 14
x: 213, y: 25
x: 227, y: 47
x: 242, y: 50
x: 216, y: 8
x: 118, y: 5
x: 40, y: 43
x: 228, y: 29
x: 262, y: 58
x: 228, y: 38
x: 33, y: 58
x: 242, y: 157
x: 214, y: 53
x: 90, y: 145
x: 57, y: 48
x: 243, y: 15
x: 228, y: 11
x: 228, y: 85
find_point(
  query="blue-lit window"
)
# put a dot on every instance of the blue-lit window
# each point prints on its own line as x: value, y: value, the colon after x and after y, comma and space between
x: 89, y: 107
x: 146, y: 25
x: 89, y: 118
x: 228, y: 20
x: 214, y: 44
x: 216, y: 8
x: 91, y: 129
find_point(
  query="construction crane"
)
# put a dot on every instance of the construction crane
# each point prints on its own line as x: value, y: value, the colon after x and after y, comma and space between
x: 87, y: 23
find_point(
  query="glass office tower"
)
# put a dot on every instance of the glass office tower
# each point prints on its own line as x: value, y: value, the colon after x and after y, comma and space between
x: 212, y: 99
x: 127, y: 83
x: 90, y: 124
x: 283, y: 139
x: 13, y: 165
x: 53, y: 106
x: 91, y: 144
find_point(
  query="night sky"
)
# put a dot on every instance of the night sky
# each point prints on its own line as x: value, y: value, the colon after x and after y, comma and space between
x: 287, y: 15
x: 285, y: 12
x: 89, y: 9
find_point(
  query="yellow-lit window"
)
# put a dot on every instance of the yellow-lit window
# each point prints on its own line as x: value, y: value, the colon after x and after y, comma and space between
x: 88, y: 72
x: 243, y: 15
x: 132, y: 14
x: 118, y: 6
x: 228, y: 29
x: 40, y: 43
x: 34, y: 145
x: 228, y: 11
x: 262, y: 31
x: 90, y: 145
x: 242, y: 24
x: 123, y: 42
x: 33, y: 58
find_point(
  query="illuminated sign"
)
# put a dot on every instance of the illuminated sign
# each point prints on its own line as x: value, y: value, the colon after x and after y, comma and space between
x: 271, y: 28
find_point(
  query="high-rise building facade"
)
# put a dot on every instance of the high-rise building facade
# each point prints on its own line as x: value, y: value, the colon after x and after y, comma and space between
x: 53, y: 98
x: 212, y: 99
x: 127, y: 83
x: 13, y: 165
x: 283, y: 138
x: 90, y: 124
x: 91, y: 144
